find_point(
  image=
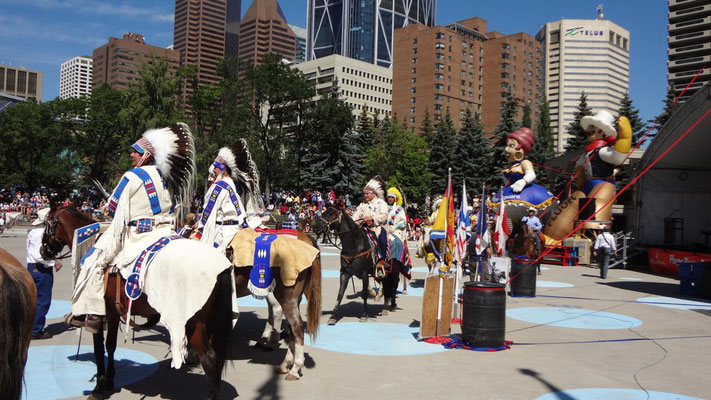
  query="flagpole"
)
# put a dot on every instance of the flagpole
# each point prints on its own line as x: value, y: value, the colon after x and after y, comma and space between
x: 457, y: 278
x: 444, y: 255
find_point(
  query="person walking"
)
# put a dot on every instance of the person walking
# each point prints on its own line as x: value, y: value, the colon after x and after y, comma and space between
x: 605, y: 245
x: 42, y: 274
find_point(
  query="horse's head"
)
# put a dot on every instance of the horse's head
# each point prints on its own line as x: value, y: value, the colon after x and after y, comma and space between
x: 59, y: 229
x: 524, y: 243
x: 329, y: 220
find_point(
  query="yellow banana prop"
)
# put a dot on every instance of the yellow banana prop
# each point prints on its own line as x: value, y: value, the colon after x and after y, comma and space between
x: 624, y: 135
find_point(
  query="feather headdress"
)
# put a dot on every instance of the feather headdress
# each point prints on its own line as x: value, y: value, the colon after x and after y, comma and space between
x: 173, y: 150
x: 397, y: 193
x: 244, y: 172
x: 436, y: 201
x: 376, y: 185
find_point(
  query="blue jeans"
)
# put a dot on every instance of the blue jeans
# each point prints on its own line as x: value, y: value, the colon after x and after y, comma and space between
x: 383, y: 244
x: 44, y: 279
x: 603, y: 261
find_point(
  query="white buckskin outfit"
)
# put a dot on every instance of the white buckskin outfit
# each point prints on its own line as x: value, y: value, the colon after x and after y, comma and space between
x: 224, y: 216
x: 396, y: 223
x: 377, y: 209
x: 138, y: 221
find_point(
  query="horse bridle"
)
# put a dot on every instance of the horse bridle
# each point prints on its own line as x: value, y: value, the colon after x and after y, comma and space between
x: 348, y: 259
x: 50, y: 230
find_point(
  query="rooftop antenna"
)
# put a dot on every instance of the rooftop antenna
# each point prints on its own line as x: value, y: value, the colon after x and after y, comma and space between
x: 599, y: 11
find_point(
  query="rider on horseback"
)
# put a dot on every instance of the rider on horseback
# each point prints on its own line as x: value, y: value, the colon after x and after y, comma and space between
x: 534, y: 224
x: 397, y: 219
x: 143, y: 207
x: 224, y: 212
x: 372, y: 213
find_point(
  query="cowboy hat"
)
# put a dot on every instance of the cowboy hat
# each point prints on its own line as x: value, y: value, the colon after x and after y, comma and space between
x: 41, y: 216
x: 602, y: 120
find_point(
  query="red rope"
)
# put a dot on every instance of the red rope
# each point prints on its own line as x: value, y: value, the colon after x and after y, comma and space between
x: 639, y: 143
x: 635, y: 179
x: 551, y: 168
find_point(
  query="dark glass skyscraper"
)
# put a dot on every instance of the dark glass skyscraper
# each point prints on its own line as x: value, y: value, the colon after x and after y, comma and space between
x: 362, y: 29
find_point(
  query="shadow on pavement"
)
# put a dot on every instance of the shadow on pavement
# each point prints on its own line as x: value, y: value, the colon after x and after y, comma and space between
x: 655, y: 288
x: 553, y: 389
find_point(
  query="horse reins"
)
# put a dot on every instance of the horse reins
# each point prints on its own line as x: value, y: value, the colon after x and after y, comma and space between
x: 349, y: 259
x: 50, y: 230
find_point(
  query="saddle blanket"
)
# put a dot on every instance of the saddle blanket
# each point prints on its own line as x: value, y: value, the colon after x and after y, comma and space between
x: 284, y: 232
x: 290, y: 256
x: 398, y: 251
x: 178, y: 283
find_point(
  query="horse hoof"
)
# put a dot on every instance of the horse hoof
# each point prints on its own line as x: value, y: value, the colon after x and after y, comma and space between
x: 332, y: 321
x: 384, y: 312
x: 291, y: 377
x: 363, y: 319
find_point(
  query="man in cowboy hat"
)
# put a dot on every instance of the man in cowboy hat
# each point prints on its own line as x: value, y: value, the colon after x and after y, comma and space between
x: 534, y: 224
x: 42, y: 273
x: 373, y: 213
x: 142, y: 206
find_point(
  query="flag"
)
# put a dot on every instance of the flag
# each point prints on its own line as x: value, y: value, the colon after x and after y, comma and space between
x: 501, y: 232
x: 443, y: 227
x: 482, y: 229
x: 464, y: 230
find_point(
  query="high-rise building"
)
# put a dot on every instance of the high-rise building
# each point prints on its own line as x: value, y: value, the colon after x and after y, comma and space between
x: 264, y: 30
x: 204, y: 32
x: 75, y: 77
x: 512, y: 65
x: 362, y: 29
x: 438, y: 70
x: 689, y: 45
x: 361, y: 85
x: 118, y: 62
x: 21, y: 82
x: 301, y: 42
x: 580, y: 55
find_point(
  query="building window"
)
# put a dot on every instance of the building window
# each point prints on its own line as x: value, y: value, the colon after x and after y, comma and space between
x: 414, y: 60
x: 412, y: 110
x: 464, y: 44
x: 439, y: 86
x: 624, y: 43
x: 505, y: 65
x: 437, y: 117
x: 439, y: 76
x: 414, y: 50
x: 413, y: 90
x: 414, y: 41
x: 412, y: 120
x: 439, y: 46
x: 505, y: 46
x: 414, y: 70
x: 439, y: 66
x: 505, y: 56
x: 413, y: 81
x: 439, y: 35
x: 555, y: 37
x: 439, y: 56
x: 438, y: 107
x: 413, y: 100
x: 438, y: 97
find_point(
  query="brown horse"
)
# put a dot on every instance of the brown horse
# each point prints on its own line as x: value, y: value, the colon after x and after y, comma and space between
x: 208, y: 331
x: 524, y: 244
x: 18, y: 302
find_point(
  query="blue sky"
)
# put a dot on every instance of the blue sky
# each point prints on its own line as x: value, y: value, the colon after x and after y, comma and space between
x: 41, y: 34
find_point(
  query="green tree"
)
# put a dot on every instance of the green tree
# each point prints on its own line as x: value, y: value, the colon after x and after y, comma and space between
x: 271, y: 93
x: 670, y: 106
x: 426, y: 128
x: 366, y: 129
x: 37, y: 142
x: 333, y: 159
x: 526, y: 119
x: 628, y: 110
x: 472, y: 155
x: 441, y: 153
x: 577, y: 137
x: 153, y: 100
x: 507, y: 124
x: 103, y: 140
x: 542, y: 150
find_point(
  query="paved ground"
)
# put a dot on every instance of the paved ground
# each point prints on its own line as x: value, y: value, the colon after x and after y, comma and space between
x: 545, y: 357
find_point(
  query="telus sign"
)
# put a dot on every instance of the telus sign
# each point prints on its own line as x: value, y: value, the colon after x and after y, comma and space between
x: 582, y: 31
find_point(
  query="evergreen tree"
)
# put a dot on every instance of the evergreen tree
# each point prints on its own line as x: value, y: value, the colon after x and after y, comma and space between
x: 578, y: 138
x: 426, y: 128
x: 333, y: 159
x: 472, y: 155
x: 366, y: 129
x: 442, y: 153
x: 507, y: 124
x: 670, y: 106
x: 526, y: 119
x: 632, y: 113
x: 542, y: 150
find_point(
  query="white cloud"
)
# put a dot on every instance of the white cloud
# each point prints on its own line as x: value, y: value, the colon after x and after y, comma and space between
x: 21, y: 28
x: 115, y: 8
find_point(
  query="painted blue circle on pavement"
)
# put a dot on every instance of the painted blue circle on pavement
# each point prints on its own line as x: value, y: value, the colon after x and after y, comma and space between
x: 52, y: 373
x: 422, y: 270
x: 679, y: 304
x: 372, y: 338
x: 250, y: 301
x: 612, y: 393
x: 412, y: 291
x: 553, y: 284
x: 572, y: 318
x: 59, y: 308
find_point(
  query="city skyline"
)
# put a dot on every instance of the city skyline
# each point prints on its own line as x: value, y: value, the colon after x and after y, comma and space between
x: 46, y: 33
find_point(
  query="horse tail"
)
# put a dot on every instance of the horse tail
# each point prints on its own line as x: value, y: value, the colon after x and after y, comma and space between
x: 18, y: 302
x: 221, y: 334
x: 313, y: 294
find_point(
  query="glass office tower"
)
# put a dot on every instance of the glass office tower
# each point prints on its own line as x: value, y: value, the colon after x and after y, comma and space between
x: 362, y: 29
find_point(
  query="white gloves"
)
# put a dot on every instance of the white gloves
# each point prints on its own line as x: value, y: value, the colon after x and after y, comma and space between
x: 518, y: 186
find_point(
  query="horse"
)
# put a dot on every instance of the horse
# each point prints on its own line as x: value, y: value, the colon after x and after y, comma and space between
x: 357, y: 260
x: 425, y: 247
x: 18, y: 303
x: 208, y: 331
x: 524, y: 243
x: 284, y: 302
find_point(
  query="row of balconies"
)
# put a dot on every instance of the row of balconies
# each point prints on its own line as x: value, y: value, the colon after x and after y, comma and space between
x: 688, y: 51
x: 679, y: 76
x: 675, y: 5
x: 688, y: 26
x: 689, y: 13
x: 685, y: 39
x: 687, y: 63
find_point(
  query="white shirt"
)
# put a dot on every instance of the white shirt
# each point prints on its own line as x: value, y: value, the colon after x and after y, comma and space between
x: 34, y: 244
x: 606, y: 239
